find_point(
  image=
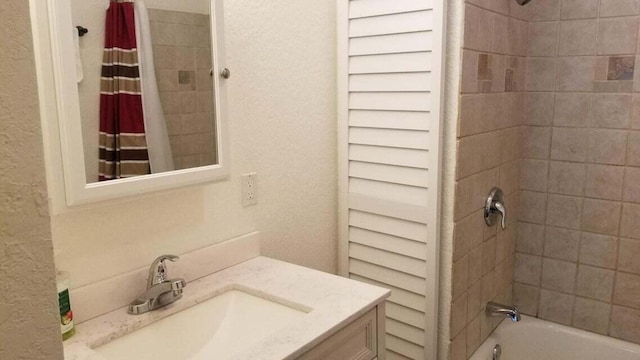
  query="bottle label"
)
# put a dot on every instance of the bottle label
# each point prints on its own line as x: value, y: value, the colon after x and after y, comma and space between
x: 66, y: 315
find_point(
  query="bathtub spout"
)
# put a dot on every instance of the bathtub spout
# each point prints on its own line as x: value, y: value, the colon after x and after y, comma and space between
x: 495, y: 309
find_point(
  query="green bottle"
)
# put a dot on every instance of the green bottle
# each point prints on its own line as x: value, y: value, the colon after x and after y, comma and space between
x: 66, y: 315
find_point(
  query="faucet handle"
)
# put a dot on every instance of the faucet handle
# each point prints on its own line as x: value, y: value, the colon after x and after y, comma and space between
x: 494, y: 205
x: 158, y: 270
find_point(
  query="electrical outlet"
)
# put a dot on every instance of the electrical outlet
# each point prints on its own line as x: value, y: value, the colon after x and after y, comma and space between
x: 249, y: 189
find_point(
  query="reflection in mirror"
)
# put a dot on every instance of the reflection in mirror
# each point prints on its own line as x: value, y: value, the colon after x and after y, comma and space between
x: 145, y: 85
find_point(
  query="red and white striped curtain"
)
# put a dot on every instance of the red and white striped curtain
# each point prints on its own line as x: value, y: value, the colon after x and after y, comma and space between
x: 123, y: 145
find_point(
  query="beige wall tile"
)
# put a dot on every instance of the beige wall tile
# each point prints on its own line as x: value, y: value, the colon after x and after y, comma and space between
x: 629, y: 257
x: 607, y: 147
x: 575, y: 73
x: 474, y: 300
x: 627, y: 290
x: 185, y: 58
x: 478, y: 32
x: 202, y: 36
x: 488, y: 287
x: 598, y: 250
x: 539, y: 108
x: 631, y: 191
x: 469, y: 71
x: 630, y: 226
x: 517, y: 33
x: 473, y: 335
x: 604, y: 181
x: 188, y: 102
x: 500, y: 33
x: 164, y: 33
x: 543, y: 38
x: 167, y: 80
x: 530, y: 238
x: 528, y: 269
x: 569, y: 144
x: 578, y: 37
x: 534, y: 175
x: 595, y: 283
x: 633, y: 149
x: 526, y: 298
x: 203, y: 59
x: 185, y: 35
x: 164, y: 57
x: 506, y: 244
x: 579, y: 9
x: 635, y: 105
x: 567, y: 178
x: 470, y: 152
x: 556, y: 306
x: 509, y: 177
x: 464, y: 198
x: 458, y: 314
x: 460, y: 275
x: 601, y: 216
x: 541, y: 73
x: 171, y: 104
x: 624, y: 324
x: 592, y: 315
x: 561, y: 243
x: 458, y: 347
x: 488, y: 255
x: 536, y: 142
x: 610, y: 8
x: 611, y: 111
x: 542, y: 10
x: 617, y: 36
x: 475, y: 264
x: 558, y: 275
x: 572, y: 109
x: 564, y: 211
x: 533, y: 207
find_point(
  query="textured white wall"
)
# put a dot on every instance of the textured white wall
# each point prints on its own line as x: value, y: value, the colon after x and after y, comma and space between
x: 29, y: 316
x: 282, y: 125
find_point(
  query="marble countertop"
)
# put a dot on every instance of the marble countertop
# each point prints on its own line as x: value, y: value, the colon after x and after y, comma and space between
x: 335, y: 302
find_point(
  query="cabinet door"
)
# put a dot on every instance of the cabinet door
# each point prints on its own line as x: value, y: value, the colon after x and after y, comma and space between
x: 357, y: 341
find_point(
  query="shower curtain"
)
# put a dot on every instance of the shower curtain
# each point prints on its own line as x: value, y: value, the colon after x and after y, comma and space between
x: 123, y: 145
x: 160, y: 155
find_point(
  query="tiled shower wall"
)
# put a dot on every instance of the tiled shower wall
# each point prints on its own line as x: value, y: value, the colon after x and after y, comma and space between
x: 489, y: 137
x: 578, y: 246
x: 182, y: 56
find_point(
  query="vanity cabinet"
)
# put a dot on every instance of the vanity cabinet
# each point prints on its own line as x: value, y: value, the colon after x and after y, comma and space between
x: 362, y: 339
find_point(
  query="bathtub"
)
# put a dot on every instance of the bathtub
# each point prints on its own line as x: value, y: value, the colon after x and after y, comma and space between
x: 534, y: 339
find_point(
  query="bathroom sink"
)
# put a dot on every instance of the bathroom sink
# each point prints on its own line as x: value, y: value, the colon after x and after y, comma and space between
x: 213, y: 329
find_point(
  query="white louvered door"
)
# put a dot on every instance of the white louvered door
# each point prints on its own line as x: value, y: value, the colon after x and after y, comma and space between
x: 389, y: 82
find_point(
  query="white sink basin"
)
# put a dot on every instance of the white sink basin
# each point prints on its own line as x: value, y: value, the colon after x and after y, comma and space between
x: 214, y: 329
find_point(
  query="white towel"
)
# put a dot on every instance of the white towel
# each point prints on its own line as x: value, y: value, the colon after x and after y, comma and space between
x: 76, y: 49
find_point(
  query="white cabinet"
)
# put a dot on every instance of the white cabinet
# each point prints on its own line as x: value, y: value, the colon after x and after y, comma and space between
x: 362, y: 339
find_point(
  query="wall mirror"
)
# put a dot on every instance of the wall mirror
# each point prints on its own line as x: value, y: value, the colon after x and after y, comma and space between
x: 140, y: 93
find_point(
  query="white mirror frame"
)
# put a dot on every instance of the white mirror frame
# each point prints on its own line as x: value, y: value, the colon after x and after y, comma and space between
x: 60, y: 110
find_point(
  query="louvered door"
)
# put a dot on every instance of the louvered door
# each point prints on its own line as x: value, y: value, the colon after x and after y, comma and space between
x: 390, y: 80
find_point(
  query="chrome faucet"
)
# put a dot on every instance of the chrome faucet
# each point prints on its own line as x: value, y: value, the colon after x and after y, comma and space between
x: 495, y: 309
x: 160, y: 291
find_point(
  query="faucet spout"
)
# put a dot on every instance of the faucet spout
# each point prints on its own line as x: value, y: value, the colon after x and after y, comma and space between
x: 160, y: 290
x: 495, y: 309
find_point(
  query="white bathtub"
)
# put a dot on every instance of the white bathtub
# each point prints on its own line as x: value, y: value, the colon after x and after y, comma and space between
x: 534, y: 339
